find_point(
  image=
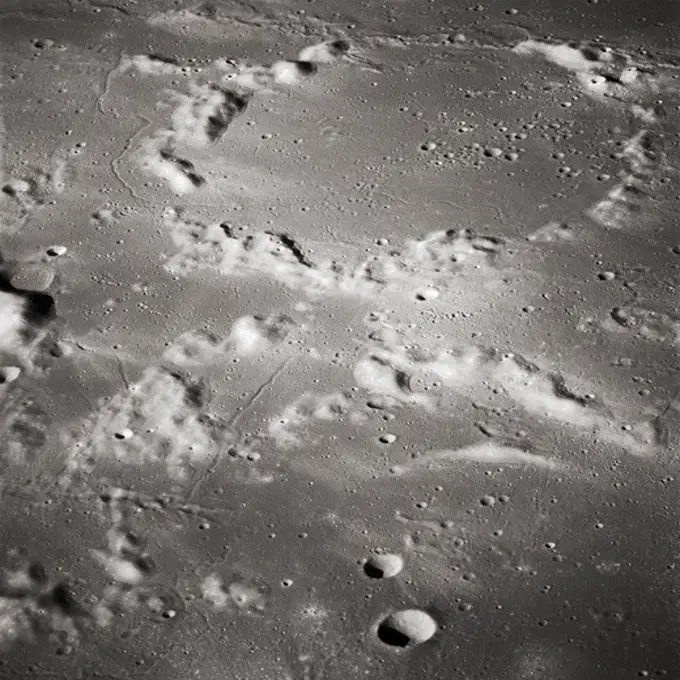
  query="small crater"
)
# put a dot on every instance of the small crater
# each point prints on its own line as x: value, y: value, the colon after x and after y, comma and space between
x: 164, y: 605
x: 406, y: 628
x: 426, y: 294
x: 36, y: 277
x: 383, y: 566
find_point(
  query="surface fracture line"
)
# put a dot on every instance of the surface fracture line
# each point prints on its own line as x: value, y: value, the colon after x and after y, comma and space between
x: 115, y: 161
x: 234, y: 420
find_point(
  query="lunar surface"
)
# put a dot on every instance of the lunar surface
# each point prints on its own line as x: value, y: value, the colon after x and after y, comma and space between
x: 340, y: 340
